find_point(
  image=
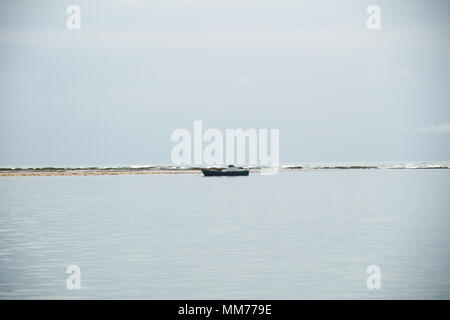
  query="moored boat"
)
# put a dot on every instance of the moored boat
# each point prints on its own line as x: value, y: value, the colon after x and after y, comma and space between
x: 230, y: 171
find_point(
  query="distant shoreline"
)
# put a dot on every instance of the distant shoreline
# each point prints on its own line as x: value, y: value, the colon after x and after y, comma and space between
x: 91, y: 173
x: 97, y: 171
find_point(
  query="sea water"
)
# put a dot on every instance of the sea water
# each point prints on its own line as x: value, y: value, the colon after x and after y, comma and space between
x: 303, y: 234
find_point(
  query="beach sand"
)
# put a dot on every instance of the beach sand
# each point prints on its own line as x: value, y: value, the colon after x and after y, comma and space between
x: 92, y: 173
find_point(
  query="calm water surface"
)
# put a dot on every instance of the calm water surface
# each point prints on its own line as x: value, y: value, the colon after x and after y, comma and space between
x: 294, y: 235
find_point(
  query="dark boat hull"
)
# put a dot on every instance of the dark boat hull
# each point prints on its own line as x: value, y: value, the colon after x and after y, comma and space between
x: 219, y: 173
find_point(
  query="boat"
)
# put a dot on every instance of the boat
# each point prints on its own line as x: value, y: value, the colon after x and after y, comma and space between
x: 230, y: 171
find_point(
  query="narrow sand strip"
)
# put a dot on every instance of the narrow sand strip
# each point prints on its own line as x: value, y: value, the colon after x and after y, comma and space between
x: 91, y: 173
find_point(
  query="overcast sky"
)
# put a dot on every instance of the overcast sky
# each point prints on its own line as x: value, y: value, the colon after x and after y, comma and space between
x: 112, y: 92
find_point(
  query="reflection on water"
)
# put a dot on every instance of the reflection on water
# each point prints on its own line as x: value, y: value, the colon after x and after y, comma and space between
x: 294, y: 235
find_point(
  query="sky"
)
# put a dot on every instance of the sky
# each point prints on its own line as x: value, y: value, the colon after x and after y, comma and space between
x: 112, y: 92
